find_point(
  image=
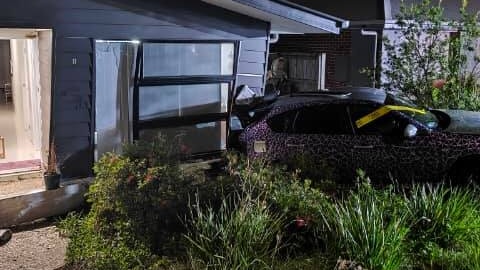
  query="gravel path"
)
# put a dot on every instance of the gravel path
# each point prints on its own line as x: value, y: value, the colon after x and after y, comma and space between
x: 37, y: 246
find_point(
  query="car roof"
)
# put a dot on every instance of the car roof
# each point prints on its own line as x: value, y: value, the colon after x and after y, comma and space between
x: 350, y: 94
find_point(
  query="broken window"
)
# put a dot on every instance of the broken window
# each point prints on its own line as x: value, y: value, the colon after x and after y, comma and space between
x: 182, y: 92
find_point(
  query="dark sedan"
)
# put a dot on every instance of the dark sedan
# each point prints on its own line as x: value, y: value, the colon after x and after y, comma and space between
x: 379, y: 132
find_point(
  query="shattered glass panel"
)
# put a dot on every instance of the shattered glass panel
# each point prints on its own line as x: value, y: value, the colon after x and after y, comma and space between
x: 115, y: 68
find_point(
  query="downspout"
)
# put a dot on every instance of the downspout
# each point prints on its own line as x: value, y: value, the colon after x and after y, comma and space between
x: 374, y: 34
x: 274, y: 37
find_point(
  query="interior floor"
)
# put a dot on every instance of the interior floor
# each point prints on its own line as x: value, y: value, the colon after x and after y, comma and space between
x: 20, y: 154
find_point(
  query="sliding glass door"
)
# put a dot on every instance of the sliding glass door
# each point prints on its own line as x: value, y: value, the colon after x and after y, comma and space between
x: 180, y: 90
x: 183, y: 92
x: 115, y: 69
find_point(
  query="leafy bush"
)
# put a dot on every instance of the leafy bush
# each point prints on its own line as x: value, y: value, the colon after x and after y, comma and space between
x: 368, y: 229
x: 297, y: 200
x: 432, y: 66
x: 444, y: 226
x: 272, y: 216
x: 136, y: 201
x: 89, y: 250
x: 262, y: 216
x: 244, y: 233
x: 310, y: 167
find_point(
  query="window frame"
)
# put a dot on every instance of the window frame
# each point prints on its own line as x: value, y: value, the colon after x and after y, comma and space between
x: 326, y: 106
x: 177, y: 121
x: 395, y: 115
x: 291, y: 129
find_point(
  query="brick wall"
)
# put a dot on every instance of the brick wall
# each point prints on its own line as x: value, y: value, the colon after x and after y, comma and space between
x: 332, y: 45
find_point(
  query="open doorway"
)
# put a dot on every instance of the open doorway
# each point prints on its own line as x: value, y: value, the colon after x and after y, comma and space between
x: 25, y: 97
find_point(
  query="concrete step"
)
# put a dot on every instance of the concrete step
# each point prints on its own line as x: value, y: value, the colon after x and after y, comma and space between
x: 12, y: 176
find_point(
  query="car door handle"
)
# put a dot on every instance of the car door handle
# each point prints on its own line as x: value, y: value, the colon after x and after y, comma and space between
x: 363, y: 147
x: 295, y: 145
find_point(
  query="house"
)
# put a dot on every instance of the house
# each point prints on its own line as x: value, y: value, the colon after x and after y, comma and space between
x: 81, y: 77
x: 338, y: 60
x: 340, y: 57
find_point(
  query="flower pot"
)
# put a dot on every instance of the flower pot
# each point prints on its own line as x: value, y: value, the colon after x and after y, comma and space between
x: 52, y: 181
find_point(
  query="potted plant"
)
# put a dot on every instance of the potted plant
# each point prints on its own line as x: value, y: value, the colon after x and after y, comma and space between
x: 51, y: 177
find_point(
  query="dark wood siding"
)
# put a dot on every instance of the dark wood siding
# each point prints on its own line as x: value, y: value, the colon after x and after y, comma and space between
x: 73, y: 105
x: 77, y: 23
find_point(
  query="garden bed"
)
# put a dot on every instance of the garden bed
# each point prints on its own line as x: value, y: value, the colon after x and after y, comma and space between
x: 149, y: 212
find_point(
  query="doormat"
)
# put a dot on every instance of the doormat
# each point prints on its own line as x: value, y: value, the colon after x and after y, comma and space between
x: 2, y: 147
x: 24, y: 164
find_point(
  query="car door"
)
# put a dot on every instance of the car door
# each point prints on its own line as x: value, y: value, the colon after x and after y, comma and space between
x: 382, y: 151
x: 322, y: 135
x: 274, y: 139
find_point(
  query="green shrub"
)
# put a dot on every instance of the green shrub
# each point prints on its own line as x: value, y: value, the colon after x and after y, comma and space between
x: 368, y: 229
x: 136, y: 201
x: 444, y: 226
x: 310, y: 167
x: 89, y: 250
x: 244, y: 233
x: 426, y: 53
x: 317, y: 261
x: 297, y: 200
x: 262, y: 216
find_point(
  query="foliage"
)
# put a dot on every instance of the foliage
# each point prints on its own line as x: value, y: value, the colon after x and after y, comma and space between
x: 315, y: 261
x: 262, y: 216
x: 271, y: 216
x: 434, y: 67
x: 89, y: 250
x: 368, y: 229
x: 310, y: 167
x: 243, y: 233
x: 301, y: 204
x: 444, y: 226
x: 136, y: 201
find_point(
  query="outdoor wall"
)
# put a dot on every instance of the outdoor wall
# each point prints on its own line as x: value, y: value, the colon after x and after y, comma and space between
x: 76, y: 23
x: 45, y: 43
x: 337, y: 47
x: 251, y: 63
x: 363, y: 57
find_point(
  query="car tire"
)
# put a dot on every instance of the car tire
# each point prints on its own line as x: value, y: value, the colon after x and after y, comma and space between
x: 466, y: 171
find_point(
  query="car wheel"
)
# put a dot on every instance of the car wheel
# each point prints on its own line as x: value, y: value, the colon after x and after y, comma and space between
x: 466, y: 172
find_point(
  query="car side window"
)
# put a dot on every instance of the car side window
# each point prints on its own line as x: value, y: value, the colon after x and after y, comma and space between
x: 282, y: 123
x: 385, y: 125
x: 323, y: 119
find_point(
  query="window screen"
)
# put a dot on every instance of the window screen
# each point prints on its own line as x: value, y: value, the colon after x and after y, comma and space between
x: 187, y: 59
